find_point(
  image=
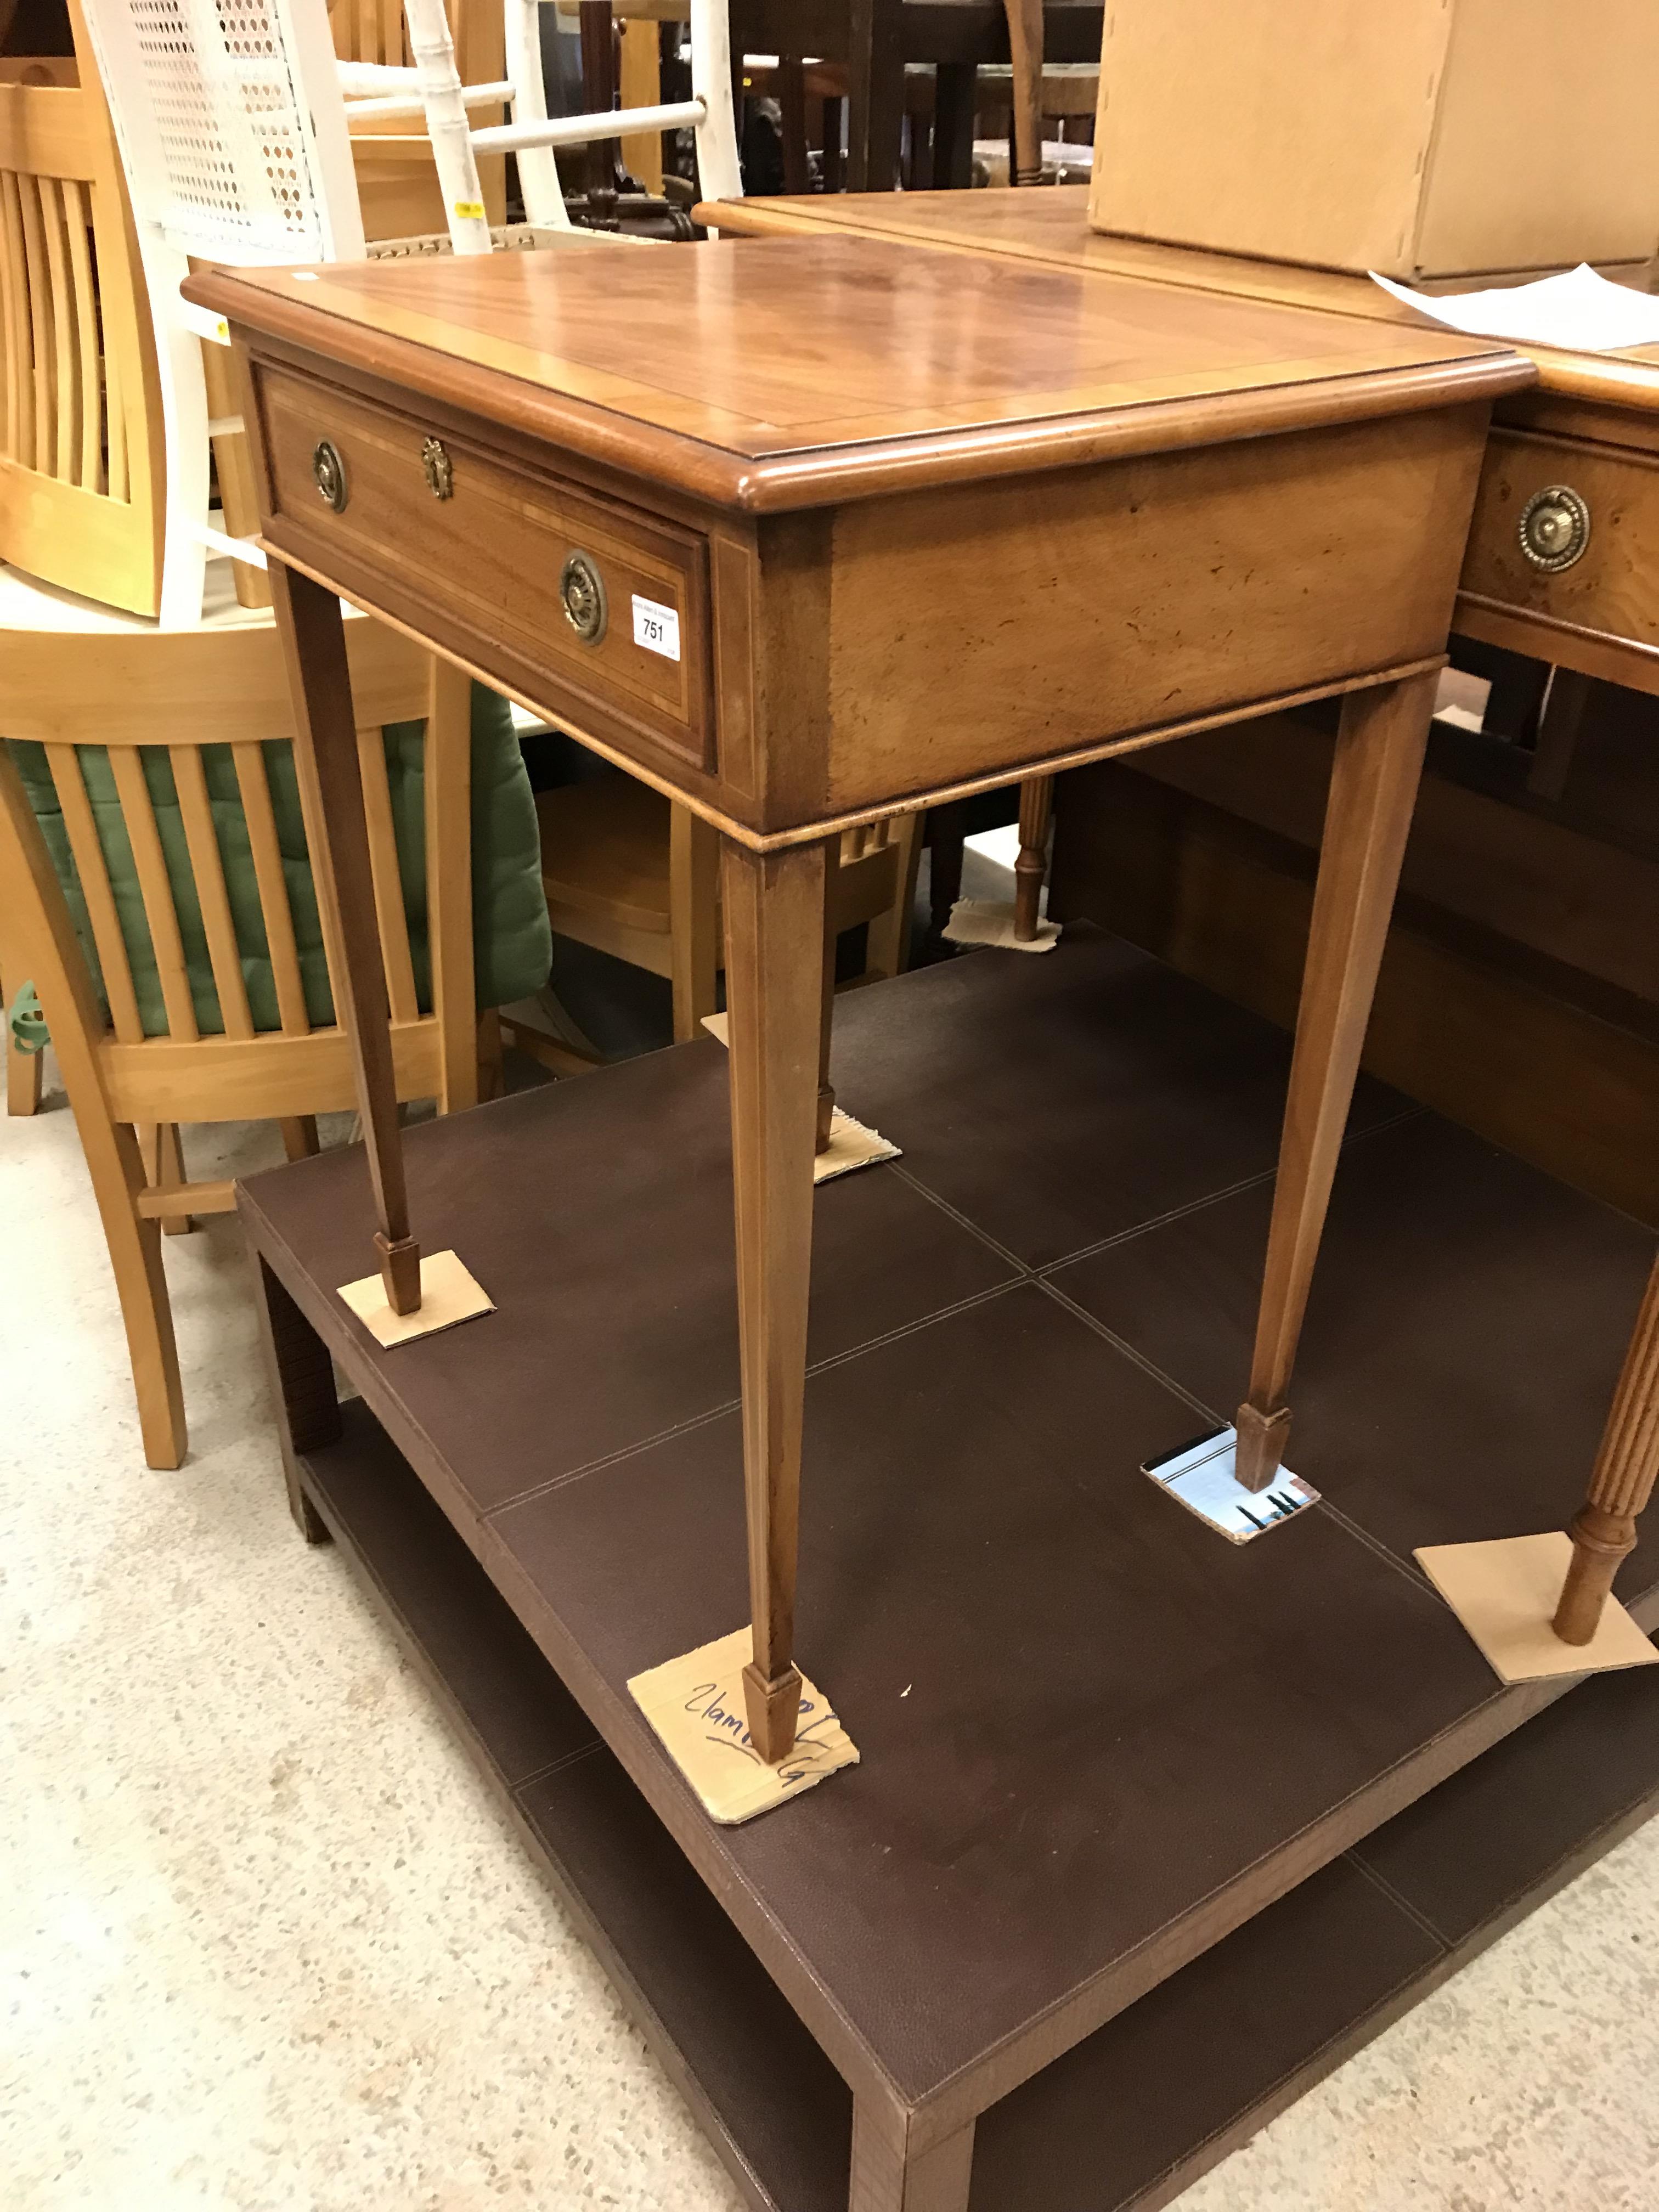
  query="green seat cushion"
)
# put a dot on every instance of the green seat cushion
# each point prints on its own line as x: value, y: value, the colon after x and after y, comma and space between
x: 512, y: 945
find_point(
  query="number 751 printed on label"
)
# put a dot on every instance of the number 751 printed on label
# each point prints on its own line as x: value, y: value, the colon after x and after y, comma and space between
x: 657, y: 628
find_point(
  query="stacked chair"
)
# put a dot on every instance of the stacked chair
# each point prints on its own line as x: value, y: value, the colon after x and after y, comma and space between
x: 155, y: 822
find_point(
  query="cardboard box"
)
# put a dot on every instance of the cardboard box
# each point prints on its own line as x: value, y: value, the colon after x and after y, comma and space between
x: 1422, y: 139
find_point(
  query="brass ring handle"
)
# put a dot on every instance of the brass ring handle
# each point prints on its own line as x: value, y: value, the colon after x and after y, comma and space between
x: 329, y: 472
x: 582, y: 591
x: 1555, y: 528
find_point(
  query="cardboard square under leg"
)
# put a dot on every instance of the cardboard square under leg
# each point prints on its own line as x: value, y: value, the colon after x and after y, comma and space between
x: 851, y: 1145
x: 1199, y: 1476
x: 695, y: 1705
x: 1506, y: 1594
x: 449, y: 1294
x: 991, y: 921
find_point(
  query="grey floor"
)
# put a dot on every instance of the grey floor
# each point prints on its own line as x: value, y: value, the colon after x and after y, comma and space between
x: 266, y: 1944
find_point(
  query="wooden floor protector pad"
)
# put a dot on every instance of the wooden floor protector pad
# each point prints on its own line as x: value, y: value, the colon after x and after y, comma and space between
x: 695, y: 1703
x: 991, y: 921
x: 1506, y: 1594
x: 449, y: 1294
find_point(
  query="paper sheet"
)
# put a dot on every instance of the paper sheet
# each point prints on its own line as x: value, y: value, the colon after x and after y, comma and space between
x: 1579, y: 311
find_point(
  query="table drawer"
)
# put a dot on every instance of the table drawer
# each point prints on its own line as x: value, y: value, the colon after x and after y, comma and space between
x: 1611, y: 586
x: 604, y: 608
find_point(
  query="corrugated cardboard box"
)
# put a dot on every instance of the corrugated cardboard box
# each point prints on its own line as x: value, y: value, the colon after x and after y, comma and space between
x: 1423, y: 138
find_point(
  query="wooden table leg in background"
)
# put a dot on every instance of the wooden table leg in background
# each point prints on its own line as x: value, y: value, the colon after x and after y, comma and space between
x: 1604, y: 1530
x: 1037, y: 806
x: 309, y: 622
x: 1025, y: 92
x: 774, y: 932
x: 827, y: 1010
x: 1374, y: 777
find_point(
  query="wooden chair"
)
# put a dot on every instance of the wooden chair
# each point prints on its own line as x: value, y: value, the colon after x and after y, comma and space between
x: 81, y: 481
x: 630, y: 873
x: 223, y: 685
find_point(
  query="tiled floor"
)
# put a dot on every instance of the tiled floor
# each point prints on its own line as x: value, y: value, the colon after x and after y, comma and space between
x: 266, y: 1944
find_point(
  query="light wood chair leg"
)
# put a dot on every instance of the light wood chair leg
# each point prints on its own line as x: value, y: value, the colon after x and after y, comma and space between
x: 888, y: 939
x: 693, y: 929
x: 1379, y: 758
x: 162, y: 1154
x: 1604, y: 1530
x: 309, y: 623
x: 888, y: 2176
x: 135, y: 1251
x: 775, y: 929
x: 111, y: 1148
x: 299, y: 1139
x: 1036, y: 802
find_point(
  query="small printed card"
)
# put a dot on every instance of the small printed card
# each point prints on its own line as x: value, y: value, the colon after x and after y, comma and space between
x: 695, y: 1705
x: 657, y: 627
x: 1199, y: 1476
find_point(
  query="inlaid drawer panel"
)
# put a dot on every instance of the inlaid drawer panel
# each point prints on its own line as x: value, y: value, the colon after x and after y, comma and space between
x: 1593, y: 529
x: 604, y: 606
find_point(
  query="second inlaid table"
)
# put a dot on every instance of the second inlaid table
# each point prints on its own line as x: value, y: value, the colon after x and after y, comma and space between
x: 804, y: 535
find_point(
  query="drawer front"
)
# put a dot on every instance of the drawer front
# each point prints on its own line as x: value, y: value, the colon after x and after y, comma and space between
x: 1611, y: 586
x: 603, y: 610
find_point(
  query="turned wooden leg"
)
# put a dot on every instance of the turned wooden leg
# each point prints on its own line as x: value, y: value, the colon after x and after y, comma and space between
x: 1037, y: 800
x: 1025, y: 123
x: 302, y: 1379
x: 313, y: 645
x: 888, y: 2176
x: 775, y: 929
x: 1604, y: 1528
x: 1374, y: 777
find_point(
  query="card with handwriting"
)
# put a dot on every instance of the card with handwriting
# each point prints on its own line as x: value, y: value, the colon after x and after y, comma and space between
x: 695, y: 1703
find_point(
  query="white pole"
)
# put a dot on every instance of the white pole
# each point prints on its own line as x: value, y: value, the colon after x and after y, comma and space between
x: 447, y: 125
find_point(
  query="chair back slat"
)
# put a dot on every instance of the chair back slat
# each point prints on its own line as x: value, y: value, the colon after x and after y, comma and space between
x: 19, y: 444
x: 138, y: 815
x: 66, y: 382
x: 207, y: 866
x: 388, y: 884
x: 77, y: 216
x: 88, y: 854
x: 38, y: 282
x: 274, y: 909
x: 118, y: 476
